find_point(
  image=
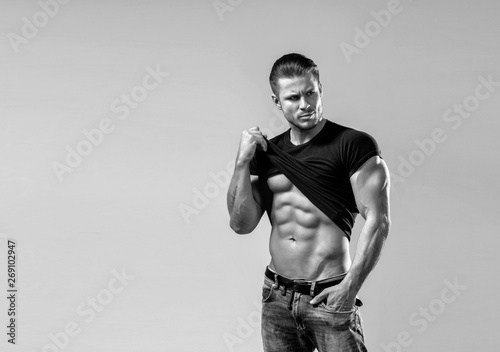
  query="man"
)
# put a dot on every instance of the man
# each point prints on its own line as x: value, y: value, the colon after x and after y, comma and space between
x: 312, y: 180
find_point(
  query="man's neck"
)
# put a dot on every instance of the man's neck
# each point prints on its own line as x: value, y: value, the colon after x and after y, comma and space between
x: 298, y: 136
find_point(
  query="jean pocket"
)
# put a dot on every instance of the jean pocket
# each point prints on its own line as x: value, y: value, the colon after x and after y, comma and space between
x: 337, y: 310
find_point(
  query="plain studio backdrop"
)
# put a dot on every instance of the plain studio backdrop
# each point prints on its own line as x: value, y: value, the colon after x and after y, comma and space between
x: 119, y: 124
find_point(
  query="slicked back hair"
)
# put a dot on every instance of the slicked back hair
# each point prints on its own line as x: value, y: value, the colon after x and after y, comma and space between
x: 289, y: 66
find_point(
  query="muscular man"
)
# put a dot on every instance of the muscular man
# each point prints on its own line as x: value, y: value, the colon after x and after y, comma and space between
x: 311, y: 284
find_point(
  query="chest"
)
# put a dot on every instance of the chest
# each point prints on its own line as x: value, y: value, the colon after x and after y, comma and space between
x: 279, y: 184
x: 323, y: 183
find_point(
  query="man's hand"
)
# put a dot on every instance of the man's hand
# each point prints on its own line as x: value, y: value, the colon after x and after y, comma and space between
x: 338, y: 297
x: 251, y: 139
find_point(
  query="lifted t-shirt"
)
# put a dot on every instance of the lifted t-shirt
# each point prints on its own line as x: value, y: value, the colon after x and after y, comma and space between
x: 320, y: 169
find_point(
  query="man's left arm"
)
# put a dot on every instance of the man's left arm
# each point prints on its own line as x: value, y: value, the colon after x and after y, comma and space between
x: 370, y: 184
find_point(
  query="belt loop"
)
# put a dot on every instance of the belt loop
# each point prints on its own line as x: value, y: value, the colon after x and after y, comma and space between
x: 313, y: 285
x: 276, y: 284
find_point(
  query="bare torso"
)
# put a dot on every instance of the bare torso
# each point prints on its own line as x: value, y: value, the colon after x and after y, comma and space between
x: 304, y: 242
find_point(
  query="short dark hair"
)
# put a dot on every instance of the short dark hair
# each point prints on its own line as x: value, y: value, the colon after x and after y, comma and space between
x: 289, y: 66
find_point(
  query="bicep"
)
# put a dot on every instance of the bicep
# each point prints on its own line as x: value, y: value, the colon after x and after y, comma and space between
x: 370, y: 185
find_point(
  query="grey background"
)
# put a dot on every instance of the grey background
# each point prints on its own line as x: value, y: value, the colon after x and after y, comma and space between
x: 196, y: 283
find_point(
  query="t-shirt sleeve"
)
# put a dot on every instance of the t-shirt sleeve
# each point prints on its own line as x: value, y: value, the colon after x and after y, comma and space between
x: 357, y: 148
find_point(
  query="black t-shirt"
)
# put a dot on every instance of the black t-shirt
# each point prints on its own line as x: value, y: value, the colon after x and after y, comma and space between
x: 320, y: 168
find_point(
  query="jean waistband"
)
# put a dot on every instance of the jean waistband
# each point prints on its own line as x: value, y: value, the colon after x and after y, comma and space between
x: 311, y: 288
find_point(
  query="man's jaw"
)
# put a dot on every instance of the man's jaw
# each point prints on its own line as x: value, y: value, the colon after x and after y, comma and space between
x: 308, y: 127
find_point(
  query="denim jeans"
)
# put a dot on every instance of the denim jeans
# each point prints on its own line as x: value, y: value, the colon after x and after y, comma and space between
x: 305, y: 327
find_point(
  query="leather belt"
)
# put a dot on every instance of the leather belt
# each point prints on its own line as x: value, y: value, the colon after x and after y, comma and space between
x: 311, y: 288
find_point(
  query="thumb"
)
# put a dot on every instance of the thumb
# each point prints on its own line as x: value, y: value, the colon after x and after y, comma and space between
x: 320, y: 297
x: 264, y: 145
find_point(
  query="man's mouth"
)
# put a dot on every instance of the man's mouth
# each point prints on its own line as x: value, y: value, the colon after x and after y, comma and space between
x: 307, y: 116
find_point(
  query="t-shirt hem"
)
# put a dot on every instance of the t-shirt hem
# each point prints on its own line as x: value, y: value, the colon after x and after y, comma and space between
x: 363, y: 160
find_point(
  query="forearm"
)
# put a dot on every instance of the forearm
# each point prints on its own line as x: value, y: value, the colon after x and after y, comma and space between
x: 369, y: 248
x: 243, y: 209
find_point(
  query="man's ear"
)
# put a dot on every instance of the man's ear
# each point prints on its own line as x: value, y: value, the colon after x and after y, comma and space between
x: 320, y: 87
x: 276, y: 101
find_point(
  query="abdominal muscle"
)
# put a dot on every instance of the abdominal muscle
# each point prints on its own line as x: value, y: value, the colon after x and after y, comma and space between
x: 304, y: 242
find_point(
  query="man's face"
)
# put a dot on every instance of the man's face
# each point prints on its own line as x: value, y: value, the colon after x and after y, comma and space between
x: 300, y: 100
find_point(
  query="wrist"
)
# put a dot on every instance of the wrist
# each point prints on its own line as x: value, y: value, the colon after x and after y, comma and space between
x: 242, y: 164
x: 351, y: 285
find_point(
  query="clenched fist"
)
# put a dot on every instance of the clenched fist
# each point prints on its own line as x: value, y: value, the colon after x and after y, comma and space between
x: 251, y: 139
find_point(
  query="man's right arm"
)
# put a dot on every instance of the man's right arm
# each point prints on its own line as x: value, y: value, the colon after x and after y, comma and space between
x: 244, y: 202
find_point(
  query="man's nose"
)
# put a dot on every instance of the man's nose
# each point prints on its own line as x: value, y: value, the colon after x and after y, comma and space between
x: 304, y: 105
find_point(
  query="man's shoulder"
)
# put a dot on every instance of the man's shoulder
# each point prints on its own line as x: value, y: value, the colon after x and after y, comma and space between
x: 350, y: 134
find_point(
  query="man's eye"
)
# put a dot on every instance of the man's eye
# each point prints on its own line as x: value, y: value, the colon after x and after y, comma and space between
x: 293, y: 97
x: 311, y: 92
